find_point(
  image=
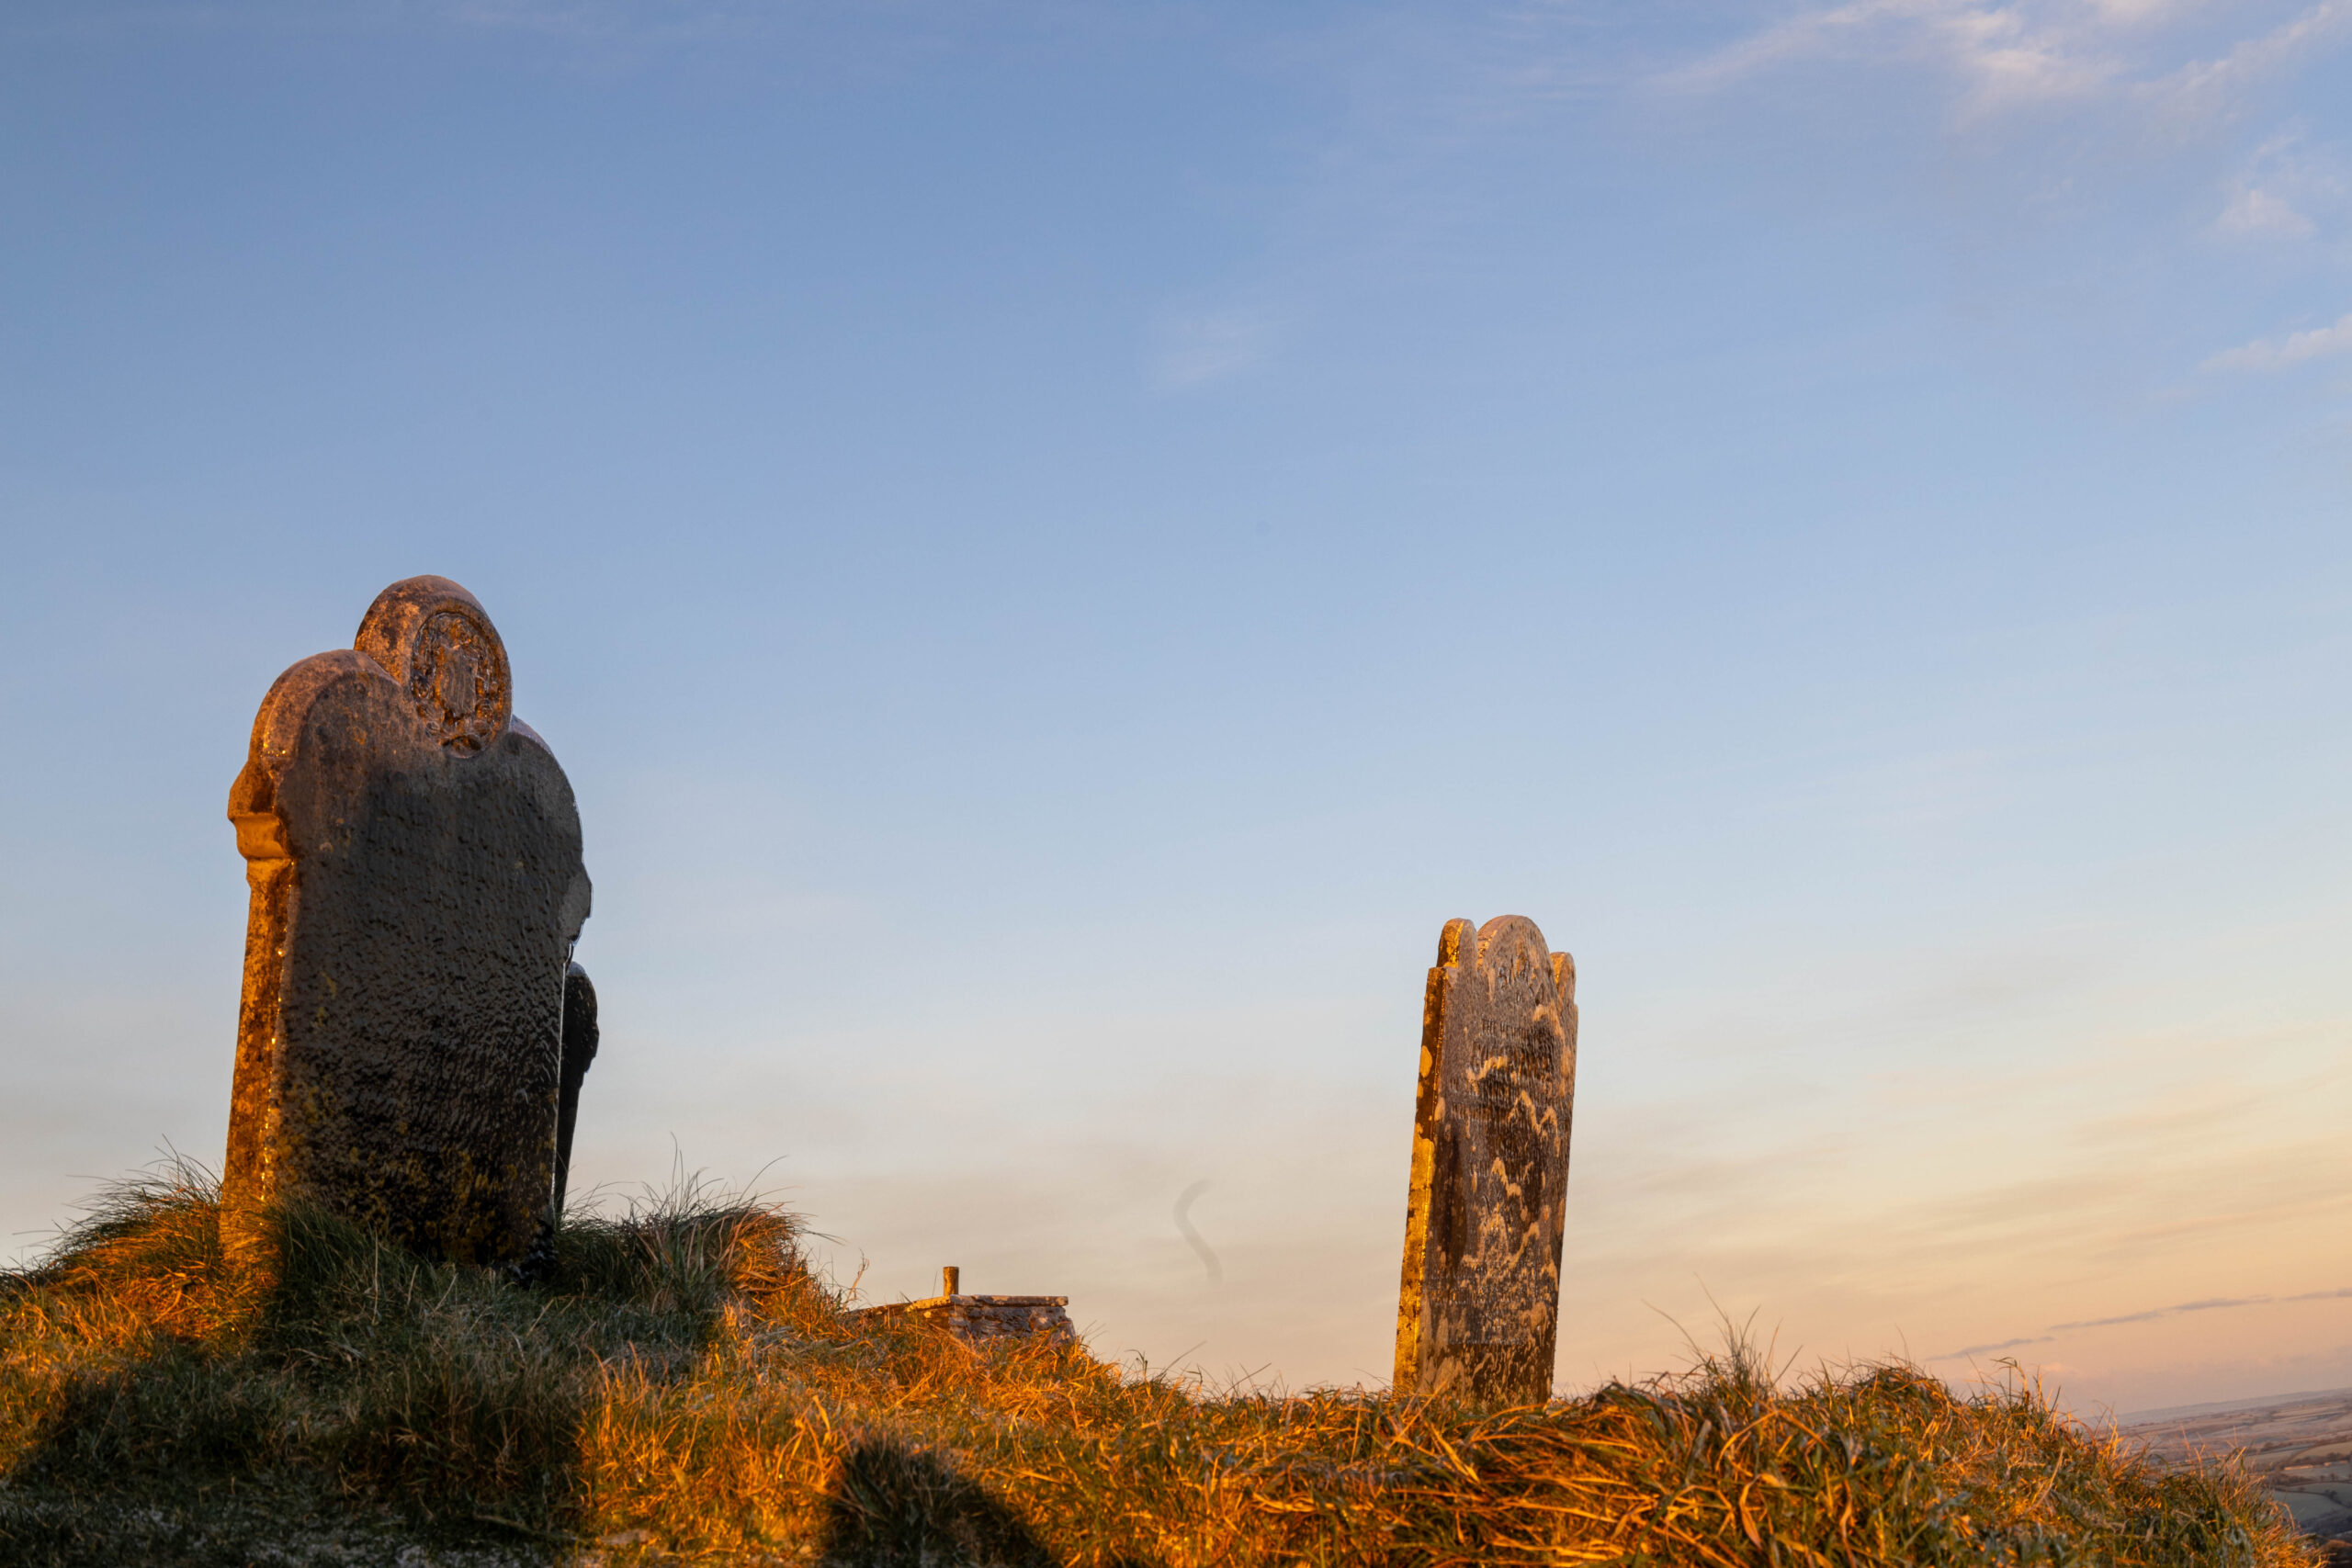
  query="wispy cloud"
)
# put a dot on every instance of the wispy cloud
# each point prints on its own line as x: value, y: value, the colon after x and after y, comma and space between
x: 2209, y: 87
x: 2153, y: 1314
x: 2022, y: 53
x: 1967, y: 1350
x: 1996, y: 47
x: 1195, y: 349
x: 2282, y: 185
x: 2251, y: 211
x: 2211, y: 1304
x: 2075, y: 113
x: 2279, y: 352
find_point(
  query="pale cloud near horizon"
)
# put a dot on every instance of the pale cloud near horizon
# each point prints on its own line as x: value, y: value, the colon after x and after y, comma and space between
x: 2282, y: 353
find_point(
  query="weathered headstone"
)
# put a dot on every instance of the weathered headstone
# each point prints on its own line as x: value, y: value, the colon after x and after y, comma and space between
x: 413, y: 852
x: 1478, y: 1313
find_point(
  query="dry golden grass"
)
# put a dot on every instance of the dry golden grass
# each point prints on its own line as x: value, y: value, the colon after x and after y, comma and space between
x: 682, y: 1389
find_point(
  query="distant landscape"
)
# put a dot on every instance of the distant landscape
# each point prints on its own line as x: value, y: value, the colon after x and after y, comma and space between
x: 2301, y: 1443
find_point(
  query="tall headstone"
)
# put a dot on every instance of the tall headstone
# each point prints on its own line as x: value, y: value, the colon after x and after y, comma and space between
x: 414, y: 853
x: 1477, y: 1312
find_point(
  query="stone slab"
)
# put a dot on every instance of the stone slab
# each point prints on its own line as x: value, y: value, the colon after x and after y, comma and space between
x: 1478, y: 1310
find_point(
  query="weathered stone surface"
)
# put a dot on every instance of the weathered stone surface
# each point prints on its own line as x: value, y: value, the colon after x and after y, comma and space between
x: 1477, y: 1312
x: 977, y: 1319
x: 414, y: 859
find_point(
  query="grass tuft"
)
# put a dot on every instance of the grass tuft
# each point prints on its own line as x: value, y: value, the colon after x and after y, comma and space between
x: 680, y: 1388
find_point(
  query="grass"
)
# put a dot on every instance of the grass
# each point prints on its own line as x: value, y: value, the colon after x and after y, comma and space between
x: 682, y: 1389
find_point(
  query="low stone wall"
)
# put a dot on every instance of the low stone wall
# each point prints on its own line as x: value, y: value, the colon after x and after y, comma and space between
x: 977, y: 1319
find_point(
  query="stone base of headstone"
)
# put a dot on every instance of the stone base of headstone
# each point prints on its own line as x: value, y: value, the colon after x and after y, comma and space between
x: 977, y: 1320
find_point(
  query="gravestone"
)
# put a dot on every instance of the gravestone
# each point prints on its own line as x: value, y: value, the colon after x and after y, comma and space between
x: 1477, y: 1312
x: 413, y: 854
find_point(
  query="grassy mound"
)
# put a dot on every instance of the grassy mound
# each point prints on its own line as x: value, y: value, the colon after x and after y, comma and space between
x: 683, y: 1389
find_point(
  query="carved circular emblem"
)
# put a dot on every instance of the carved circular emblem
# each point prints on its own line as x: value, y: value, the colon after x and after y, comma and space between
x: 436, y: 643
x: 458, y: 681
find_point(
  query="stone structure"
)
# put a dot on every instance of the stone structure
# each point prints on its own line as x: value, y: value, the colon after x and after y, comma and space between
x: 977, y: 1319
x: 414, y: 853
x: 1477, y: 1312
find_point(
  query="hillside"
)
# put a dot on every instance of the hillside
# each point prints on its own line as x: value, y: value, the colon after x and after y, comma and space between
x: 682, y: 1390
x: 2298, y: 1445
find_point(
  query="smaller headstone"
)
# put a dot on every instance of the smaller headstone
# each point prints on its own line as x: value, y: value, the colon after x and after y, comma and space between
x: 1477, y: 1308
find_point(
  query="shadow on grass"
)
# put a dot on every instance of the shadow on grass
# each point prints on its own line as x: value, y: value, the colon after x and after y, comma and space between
x: 897, y: 1507
x: 900, y: 1508
x: 160, y: 1404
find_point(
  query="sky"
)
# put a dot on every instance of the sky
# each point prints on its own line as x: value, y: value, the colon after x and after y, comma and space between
x: 1059, y: 543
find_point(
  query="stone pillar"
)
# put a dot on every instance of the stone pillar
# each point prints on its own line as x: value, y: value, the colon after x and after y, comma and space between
x: 414, y: 857
x: 1478, y: 1311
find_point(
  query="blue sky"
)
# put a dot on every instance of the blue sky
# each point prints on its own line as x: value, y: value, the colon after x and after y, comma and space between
x: 1058, y: 545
